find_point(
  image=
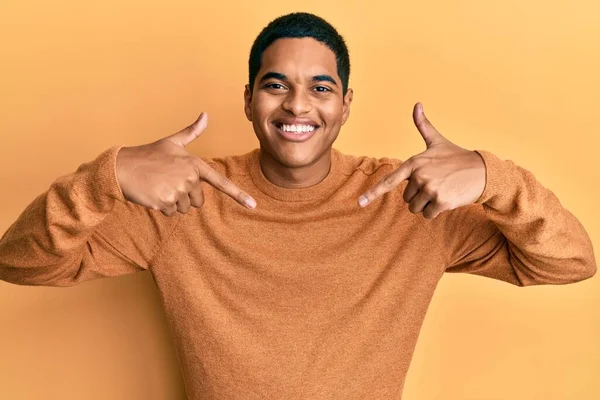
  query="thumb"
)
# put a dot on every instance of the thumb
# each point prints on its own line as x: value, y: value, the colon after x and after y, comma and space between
x: 428, y: 132
x: 189, y: 134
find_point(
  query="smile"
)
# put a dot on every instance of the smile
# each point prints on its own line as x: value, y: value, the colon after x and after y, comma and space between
x: 295, y: 128
x: 296, y: 132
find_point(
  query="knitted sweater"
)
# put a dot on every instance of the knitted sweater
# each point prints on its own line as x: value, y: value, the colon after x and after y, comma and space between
x: 308, y: 296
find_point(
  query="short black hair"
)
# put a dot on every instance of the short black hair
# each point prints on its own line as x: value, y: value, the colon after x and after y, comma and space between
x: 300, y: 25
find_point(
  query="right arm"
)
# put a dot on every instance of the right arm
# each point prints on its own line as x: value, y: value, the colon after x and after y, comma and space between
x: 80, y: 229
x: 112, y: 215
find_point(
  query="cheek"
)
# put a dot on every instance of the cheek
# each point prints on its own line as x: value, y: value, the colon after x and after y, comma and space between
x: 332, y: 112
x: 263, y: 106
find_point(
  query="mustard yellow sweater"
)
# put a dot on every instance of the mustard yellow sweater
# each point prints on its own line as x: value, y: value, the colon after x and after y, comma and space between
x: 308, y: 296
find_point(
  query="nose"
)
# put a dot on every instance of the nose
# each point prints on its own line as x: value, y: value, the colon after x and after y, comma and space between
x: 297, y: 102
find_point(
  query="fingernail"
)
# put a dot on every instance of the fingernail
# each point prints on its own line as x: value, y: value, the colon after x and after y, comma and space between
x: 363, y: 201
x: 250, y: 202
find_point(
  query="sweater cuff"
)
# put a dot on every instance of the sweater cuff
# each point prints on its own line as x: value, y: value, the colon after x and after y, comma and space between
x: 497, y: 175
x: 111, y: 180
x: 99, y: 179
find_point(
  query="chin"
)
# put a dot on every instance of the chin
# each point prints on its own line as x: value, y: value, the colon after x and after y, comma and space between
x: 294, y: 159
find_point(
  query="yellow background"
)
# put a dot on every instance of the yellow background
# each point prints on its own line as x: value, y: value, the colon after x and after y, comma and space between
x: 518, y: 78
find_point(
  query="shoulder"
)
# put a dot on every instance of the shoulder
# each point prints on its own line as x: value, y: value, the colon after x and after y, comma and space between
x: 366, y: 165
x: 238, y: 164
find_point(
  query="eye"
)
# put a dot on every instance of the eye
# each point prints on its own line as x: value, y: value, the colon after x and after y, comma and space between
x: 322, y: 89
x: 274, y: 86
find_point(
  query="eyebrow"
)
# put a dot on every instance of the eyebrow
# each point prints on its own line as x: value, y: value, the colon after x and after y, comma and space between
x: 283, y: 77
x: 324, y: 78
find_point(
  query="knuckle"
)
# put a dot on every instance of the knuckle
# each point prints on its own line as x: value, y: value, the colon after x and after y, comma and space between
x: 168, y: 199
x: 168, y: 212
x: 197, y: 166
x: 388, y: 181
x: 415, y: 161
x: 430, y: 190
x: 419, y: 179
x: 202, y: 169
x: 422, y: 181
x: 381, y: 189
x: 224, y: 181
x: 190, y: 179
x: 183, y: 188
x: 444, y: 204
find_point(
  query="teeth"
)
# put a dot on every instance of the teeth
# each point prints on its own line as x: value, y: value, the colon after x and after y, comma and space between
x: 297, y: 128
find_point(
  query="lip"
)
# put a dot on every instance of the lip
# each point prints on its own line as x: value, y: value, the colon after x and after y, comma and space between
x: 295, y: 137
x: 295, y: 121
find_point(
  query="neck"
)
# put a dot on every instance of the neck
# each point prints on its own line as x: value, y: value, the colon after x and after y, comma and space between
x: 295, y: 177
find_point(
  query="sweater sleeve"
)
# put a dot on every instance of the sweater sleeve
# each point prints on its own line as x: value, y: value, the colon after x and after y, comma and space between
x: 517, y: 232
x: 81, y: 228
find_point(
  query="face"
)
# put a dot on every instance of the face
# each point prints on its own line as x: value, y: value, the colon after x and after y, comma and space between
x: 297, y: 106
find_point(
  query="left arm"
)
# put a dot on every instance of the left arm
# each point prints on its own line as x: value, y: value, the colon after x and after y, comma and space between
x: 488, y: 216
x: 517, y: 232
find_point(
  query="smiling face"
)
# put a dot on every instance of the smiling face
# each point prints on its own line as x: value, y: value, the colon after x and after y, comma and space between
x: 297, y: 106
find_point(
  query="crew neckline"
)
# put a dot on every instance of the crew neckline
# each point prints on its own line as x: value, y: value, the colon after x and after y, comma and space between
x: 312, y: 193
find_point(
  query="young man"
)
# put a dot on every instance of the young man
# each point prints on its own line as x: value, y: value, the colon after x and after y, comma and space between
x: 296, y: 271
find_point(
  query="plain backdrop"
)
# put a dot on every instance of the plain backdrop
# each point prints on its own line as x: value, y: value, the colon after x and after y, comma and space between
x: 518, y: 78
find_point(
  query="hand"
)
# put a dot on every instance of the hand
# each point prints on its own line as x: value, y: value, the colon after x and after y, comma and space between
x: 163, y: 176
x: 443, y: 177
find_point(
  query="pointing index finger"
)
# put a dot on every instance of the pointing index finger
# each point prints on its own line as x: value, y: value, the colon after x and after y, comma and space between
x: 385, y: 185
x: 222, y: 183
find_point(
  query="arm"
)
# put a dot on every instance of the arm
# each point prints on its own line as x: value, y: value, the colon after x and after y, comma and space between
x: 489, y: 217
x: 80, y: 229
x: 517, y: 231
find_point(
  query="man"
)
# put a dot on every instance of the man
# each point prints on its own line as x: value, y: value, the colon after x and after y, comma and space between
x: 296, y: 271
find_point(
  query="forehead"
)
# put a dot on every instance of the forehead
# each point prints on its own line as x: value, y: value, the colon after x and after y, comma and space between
x: 299, y: 58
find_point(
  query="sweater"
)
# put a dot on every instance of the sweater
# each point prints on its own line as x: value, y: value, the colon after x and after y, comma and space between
x: 308, y: 296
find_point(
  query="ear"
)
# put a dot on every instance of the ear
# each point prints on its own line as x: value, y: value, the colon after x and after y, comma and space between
x: 346, y: 105
x: 248, y: 103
